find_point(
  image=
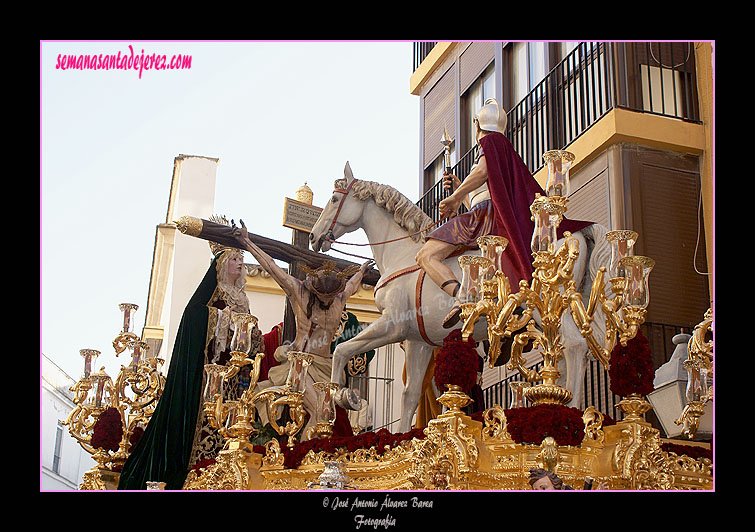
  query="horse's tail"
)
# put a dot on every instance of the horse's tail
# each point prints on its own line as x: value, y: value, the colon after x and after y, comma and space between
x: 599, y: 250
x: 600, y: 255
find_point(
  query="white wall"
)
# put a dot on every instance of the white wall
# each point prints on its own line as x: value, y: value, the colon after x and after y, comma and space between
x: 268, y: 308
x: 55, y: 405
x: 192, y: 194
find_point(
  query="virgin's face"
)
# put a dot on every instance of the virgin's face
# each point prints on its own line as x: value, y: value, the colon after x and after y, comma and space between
x: 235, y: 265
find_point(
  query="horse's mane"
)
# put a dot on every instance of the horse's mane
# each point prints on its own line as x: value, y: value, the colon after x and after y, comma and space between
x: 405, y: 213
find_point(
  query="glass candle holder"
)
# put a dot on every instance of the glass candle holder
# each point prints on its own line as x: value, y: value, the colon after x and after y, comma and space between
x: 492, y: 247
x: 90, y: 356
x: 622, y: 242
x: 299, y: 362
x: 547, y: 215
x: 100, y: 380
x: 473, y: 268
x: 128, y: 310
x: 637, y: 272
x: 233, y: 413
x: 244, y: 326
x: 138, y: 351
x: 516, y: 393
x: 214, y: 381
x: 326, y: 402
x: 559, y: 163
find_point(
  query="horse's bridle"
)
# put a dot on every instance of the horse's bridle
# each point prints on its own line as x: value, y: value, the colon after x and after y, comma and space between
x: 345, y: 193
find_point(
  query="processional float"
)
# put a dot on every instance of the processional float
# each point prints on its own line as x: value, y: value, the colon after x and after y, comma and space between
x: 454, y: 451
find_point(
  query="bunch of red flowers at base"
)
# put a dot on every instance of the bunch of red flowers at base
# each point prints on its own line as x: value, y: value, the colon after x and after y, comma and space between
x: 202, y: 464
x: 136, y: 435
x: 688, y: 450
x: 382, y: 440
x: 631, y: 367
x: 457, y: 362
x: 533, y: 424
x: 107, y: 431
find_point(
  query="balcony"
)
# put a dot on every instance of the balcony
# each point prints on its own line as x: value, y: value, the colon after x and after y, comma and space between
x: 595, y: 78
x: 421, y: 49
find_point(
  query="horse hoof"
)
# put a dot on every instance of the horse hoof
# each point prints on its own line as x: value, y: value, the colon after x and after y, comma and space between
x: 452, y: 318
x: 348, y: 399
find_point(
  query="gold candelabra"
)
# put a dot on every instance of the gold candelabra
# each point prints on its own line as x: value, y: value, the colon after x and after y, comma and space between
x: 486, y: 291
x: 325, y: 410
x: 699, y: 366
x: 133, y: 394
x: 290, y: 394
x: 235, y: 418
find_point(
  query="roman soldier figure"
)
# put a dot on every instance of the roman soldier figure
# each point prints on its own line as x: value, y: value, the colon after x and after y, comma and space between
x: 498, y: 193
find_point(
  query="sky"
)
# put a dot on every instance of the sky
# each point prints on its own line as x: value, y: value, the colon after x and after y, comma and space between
x: 275, y: 114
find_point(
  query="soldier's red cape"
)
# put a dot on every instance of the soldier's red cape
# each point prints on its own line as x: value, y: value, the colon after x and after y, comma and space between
x: 512, y: 191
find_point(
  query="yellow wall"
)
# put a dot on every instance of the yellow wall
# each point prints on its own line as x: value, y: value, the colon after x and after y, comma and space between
x: 705, y: 84
x: 621, y: 125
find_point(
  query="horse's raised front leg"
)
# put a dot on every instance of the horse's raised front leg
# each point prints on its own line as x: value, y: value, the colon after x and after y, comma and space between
x: 382, y: 331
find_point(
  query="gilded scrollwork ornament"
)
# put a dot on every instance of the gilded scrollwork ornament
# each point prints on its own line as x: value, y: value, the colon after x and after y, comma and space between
x: 593, y: 420
x: 229, y: 473
x: 639, y: 460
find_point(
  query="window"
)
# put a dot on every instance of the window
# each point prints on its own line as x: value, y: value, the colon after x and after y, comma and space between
x: 529, y: 62
x: 56, y: 452
x: 472, y: 99
x: 565, y: 48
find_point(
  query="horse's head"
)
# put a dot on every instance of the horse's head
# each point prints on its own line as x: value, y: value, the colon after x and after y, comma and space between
x: 340, y: 215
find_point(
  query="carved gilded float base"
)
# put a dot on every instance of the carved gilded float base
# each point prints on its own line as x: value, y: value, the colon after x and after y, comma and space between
x: 459, y: 453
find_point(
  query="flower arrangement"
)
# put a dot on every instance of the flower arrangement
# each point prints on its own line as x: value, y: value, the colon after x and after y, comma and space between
x: 382, y: 440
x: 107, y: 431
x: 456, y: 363
x: 136, y: 435
x: 631, y: 368
x: 201, y: 464
x: 533, y: 424
x: 688, y: 450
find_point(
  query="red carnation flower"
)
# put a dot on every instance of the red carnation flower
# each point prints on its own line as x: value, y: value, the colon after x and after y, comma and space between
x: 456, y: 362
x: 135, y: 437
x: 631, y: 367
x: 379, y: 440
x: 108, y: 430
x: 533, y: 424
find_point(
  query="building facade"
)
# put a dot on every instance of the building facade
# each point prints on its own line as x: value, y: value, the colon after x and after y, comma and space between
x: 180, y: 261
x: 638, y: 117
x: 63, y: 461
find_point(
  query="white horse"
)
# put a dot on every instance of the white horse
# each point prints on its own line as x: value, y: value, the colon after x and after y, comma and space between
x: 412, y: 306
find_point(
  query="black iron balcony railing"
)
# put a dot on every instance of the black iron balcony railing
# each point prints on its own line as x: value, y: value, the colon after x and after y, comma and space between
x: 597, y: 386
x: 597, y: 390
x: 430, y: 200
x: 421, y: 49
x: 656, y: 78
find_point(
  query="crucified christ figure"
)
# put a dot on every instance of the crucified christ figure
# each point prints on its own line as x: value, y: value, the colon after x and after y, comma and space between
x: 318, y: 302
